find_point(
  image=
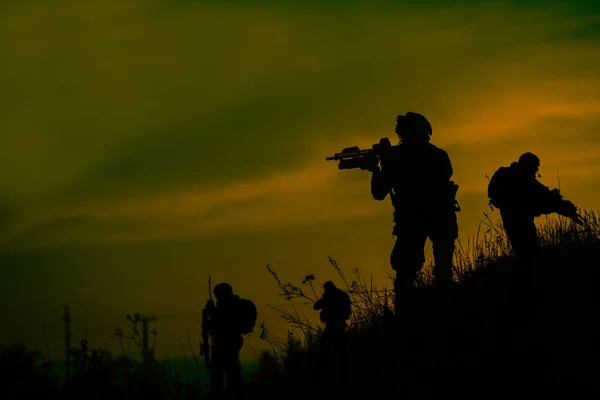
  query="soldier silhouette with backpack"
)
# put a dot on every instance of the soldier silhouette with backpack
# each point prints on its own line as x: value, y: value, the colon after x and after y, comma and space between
x: 336, y: 309
x: 227, y: 320
x: 520, y: 197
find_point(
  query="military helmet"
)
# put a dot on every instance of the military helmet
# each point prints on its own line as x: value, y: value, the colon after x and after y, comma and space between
x: 329, y: 286
x: 223, y: 290
x: 411, y: 124
x: 529, y: 159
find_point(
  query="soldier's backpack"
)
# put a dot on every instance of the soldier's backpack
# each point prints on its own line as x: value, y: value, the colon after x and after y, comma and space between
x: 340, y: 309
x: 346, y: 306
x: 499, y: 188
x: 247, y: 316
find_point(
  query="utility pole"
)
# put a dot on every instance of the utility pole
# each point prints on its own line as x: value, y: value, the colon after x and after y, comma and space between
x: 145, y: 350
x: 67, y: 319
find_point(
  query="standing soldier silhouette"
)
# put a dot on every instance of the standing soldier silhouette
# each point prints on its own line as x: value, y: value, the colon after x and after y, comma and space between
x: 520, y: 197
x: 417, y: 176
x: 335, y: 306
x: 226, y: 322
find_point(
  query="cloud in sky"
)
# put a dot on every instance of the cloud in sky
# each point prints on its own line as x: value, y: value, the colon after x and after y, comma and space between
x: 158, y: 106
x: 308, y: 195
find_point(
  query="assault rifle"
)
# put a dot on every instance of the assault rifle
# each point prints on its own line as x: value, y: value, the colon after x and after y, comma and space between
x: 558, y: 204
x: 206, y: 314
x: 353, y: 157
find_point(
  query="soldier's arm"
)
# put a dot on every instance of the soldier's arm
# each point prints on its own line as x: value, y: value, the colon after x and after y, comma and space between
x: 567, y: 209
x: 543, y: 198
x: 380, y: 185
x: 446, y: 170
x: 541, y: 190
x: 319, y: 304
x: 209, y: 326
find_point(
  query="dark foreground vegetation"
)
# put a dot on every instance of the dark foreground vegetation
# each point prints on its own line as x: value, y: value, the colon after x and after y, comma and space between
x: 482, y: 337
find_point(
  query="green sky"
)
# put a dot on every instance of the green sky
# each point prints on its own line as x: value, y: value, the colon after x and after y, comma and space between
x: 146, y: 144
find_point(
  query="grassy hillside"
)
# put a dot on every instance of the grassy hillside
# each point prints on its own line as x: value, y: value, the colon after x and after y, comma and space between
x: 491, y: 335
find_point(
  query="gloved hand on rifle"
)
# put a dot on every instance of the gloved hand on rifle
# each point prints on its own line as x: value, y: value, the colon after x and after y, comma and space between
x: 370, y: 163
x: 569, y: 210
x: 210, y: 307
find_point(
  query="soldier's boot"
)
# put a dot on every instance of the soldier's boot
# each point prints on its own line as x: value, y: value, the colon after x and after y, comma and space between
x: 403, y: 291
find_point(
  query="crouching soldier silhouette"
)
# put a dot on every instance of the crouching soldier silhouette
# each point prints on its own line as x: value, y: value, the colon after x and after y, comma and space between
x: 520, y: 197
x: 335, y: 306
x: 226, y: 322
x: 416, y: 174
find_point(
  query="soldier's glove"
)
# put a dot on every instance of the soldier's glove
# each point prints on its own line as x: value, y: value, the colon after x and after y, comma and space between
x: 370, y: 163
x: 571, y: 212
x: 384, y: 148
x: 210, y: 307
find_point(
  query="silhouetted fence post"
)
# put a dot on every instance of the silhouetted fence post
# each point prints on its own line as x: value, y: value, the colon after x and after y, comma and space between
x: 146, y: 356
x: 67, y: 319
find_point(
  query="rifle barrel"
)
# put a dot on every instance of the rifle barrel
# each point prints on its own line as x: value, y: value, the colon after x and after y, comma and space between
x: 350, y: 154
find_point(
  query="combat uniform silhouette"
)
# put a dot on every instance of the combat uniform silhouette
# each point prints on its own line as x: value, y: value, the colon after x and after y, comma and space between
x: 335, y: 306
x: 520, y: 197
x: 417, y: 175
x: 227, y: 321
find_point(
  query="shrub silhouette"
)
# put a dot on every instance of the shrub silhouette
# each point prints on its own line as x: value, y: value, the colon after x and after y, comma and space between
x: 21, y: 375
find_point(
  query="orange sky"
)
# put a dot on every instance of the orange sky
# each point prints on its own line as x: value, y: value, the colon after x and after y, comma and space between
x: 146, y: 146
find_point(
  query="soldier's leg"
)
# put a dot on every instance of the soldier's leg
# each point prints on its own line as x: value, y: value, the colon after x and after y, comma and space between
x: 526, y: 255
x: 522, y: 235
x: 216, y: 374
x: 325, y: 346
x: 342, y: 350
x: 333, y: 348
x: 235, y: 377
x: 523, y: 238
x: 443, y: 235
x: 443, y: 251
x: 407, y: 259
x: 322, y: 367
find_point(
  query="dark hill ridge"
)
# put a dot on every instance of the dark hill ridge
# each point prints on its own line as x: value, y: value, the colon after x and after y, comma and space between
x: 493, y: 335
x: 488, y: 336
